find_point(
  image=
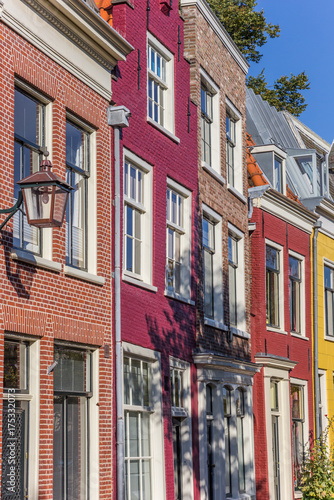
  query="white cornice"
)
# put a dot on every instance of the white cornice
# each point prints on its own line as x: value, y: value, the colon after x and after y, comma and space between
x: 219, y: 30
x: 72, y: 34
x: 288, y: 210
x: 275, y: 362
x: 214, y: 361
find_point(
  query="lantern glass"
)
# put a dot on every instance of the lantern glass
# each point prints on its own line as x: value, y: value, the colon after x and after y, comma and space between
x: 45, y: 205
x: 38, y: 202
x: 59, y: 205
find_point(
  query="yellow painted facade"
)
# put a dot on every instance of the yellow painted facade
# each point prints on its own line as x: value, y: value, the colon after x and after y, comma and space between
x: 325, y: 251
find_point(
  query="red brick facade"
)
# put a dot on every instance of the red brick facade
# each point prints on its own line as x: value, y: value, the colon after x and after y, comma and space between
x: 48, y: 306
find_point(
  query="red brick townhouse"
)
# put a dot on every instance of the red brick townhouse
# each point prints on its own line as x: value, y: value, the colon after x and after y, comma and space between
x: 159, y: 196
x: 281, y: 323
x: 55, y: 315
x: 223, y: 345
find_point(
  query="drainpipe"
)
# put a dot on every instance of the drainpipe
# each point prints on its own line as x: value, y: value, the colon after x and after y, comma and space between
x: 317, y: 226
x: 118, y: 118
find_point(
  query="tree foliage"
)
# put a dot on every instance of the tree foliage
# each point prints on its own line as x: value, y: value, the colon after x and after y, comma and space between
x: 248, y: 28
x: 286, y: 92
x: 317, y: 476
x: 250, y: 31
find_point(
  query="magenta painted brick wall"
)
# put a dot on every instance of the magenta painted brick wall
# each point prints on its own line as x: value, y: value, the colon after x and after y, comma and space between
x: 150, y: 319
x: 288, y: 346
x: 43, y: 304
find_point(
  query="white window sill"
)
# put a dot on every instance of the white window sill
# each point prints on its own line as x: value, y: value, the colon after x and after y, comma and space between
x: 139, y: 283
x: 298, y: 494
x: 299, y: 336
x: 243, y: 496
x: 176, y: 296
x: 215, y: 324
x: 163, y: 130
x: 276, y: 330
x: 237, y: 193
x: 213, y: 173
x: 35, y: 260
x: 239, y: 333
x: 83, y: 275
x: 329, y: 338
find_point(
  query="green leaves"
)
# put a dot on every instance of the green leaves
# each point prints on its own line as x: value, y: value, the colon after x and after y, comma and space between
x: 317, y: 476
x: 286, y: 92
x: 247, y: 27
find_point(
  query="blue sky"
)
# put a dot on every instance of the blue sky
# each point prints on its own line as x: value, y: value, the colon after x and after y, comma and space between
x: 306, y: 43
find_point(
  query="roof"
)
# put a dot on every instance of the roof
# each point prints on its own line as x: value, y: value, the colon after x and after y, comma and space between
x: 255, y: 175
x: 105, y: 8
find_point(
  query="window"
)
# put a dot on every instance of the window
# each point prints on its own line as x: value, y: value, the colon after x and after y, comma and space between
x: 275, y: 436
x: 272, y: 286
x: 298, y: 438
x: 329, y: 298
x: 29, y: 141
x: 230, y: 145
x: 181, y: 424
x: 295, y: 294
x: 178, y: 240
x: 209, y: 252
x: 72, y: 384
x: 137, y: 218
x: 77, y: 174
x: 212, y: 267
x: 160, y: 84
x: 20, y: 419
x: 227, y: 430
x: 142, y: 424
x: 233, y: 147
x: 233, y: 266
x: 278, y: 174
x: 206, y: 122
x: 236, y: 266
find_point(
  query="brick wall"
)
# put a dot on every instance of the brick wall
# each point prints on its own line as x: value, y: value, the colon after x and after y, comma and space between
x: 44, y: 304
x: 277, y: 344
x: 150, y: 319
x: 205, y: 50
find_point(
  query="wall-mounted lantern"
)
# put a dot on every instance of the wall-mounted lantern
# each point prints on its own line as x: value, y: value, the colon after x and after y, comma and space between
x: 45, y: 196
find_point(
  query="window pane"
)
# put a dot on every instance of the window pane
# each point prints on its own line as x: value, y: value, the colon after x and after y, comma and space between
x: 27, y: 117
x: 136, y: 382
x: 328, y: 277
x: 227, y: 456
x: 70, y: 374
x: 146, y: 384
x: 15, y: 366
x: 134, y: 480
x: 274, y: 395
x: 233, y: 295
x: 241, y: 456
x: 272, y: 260
x: 145, y: 434
x: 126, y: 380
x: 134, y: 434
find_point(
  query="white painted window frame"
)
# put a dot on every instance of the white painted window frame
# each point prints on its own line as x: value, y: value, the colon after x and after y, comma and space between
x: 280, y: 248
x: 146, y: 276
x: 281, y: 155
x: 218, y: 306
x: 169, y: 124
x: 46, y: 234
x: 240, y: 279
x: 185, y: 279
x: 323, y: 390
x: 327, y: 263
x: 281, y: 376
x: 91, y: 205
x: 186, y: 428
x: 156, y: 423
x: 235, y: 114
x: 301, y: 258
x: 210, y: 85
x: 306, y: 443
x: 33, y: 397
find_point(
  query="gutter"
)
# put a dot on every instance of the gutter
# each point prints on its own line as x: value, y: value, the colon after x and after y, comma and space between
x: 118, y: 118
x: 317, y: 226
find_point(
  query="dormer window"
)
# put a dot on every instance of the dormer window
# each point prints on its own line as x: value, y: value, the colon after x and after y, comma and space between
x: 271, y: 160
x: 278, y: 174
